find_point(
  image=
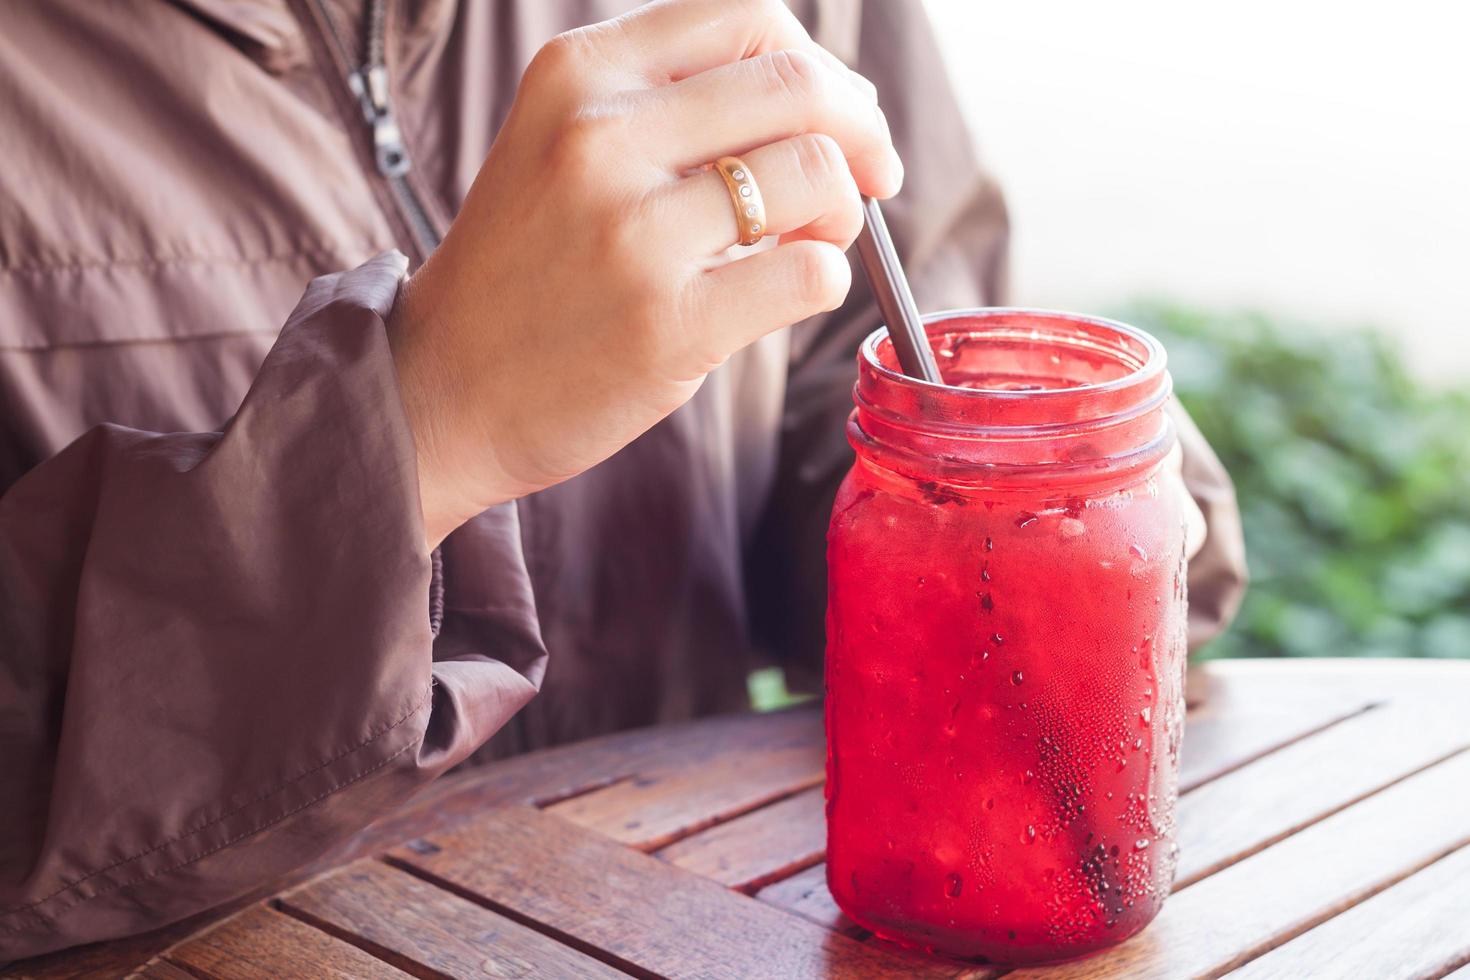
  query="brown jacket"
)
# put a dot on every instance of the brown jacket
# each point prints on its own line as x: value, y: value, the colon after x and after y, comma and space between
x: 222, y: 645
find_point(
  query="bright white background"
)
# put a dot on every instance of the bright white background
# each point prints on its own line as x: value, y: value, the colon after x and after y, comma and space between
x: 1302, y: 158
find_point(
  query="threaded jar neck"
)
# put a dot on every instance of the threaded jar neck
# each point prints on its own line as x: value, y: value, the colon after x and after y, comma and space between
x: 1031, y: 397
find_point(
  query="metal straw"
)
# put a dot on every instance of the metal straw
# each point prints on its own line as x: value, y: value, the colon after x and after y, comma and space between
x: 895, y: 301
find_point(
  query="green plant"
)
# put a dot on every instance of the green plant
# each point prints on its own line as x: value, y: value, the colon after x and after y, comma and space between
x: 1353, y: 481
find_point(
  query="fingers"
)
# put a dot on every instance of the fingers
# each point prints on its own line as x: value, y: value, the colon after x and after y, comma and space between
x: 743, y: 301
x: 729, y: 109
x: 806, y: 186
x: 668, y: 40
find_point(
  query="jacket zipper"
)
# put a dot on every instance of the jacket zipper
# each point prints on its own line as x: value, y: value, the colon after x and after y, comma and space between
x: 369, y: 86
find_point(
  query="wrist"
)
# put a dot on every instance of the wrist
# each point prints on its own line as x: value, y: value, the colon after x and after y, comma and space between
x: 455, y: 482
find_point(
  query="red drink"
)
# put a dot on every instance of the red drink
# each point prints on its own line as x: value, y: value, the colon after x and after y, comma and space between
x: 1006, y: 641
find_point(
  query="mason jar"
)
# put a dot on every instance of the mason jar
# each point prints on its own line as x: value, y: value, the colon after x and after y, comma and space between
x: 1006, y: 640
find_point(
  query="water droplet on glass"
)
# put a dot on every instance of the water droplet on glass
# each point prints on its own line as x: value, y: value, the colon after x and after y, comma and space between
x: 1017, y: 677
x: 953, y: 885
x: 1140, y: 844
x: 1027, y: 776
x: 989, y: 545
x: 1147, y: 715
x: 989, y: 803
x: 997, y: 639
x: 985, y: 573
x: 1026, y: 519
x: 1137, y: 744
x: 921, y: 581
x: 1138, y: 552
x: 986, y: 602
x: 1030, y: 836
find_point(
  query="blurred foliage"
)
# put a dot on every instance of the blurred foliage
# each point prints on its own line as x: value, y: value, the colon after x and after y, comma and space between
x: 1353, y: 481
x: 768, y: 691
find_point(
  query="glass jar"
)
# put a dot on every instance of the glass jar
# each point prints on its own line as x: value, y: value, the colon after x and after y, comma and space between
x: 1006, y: 641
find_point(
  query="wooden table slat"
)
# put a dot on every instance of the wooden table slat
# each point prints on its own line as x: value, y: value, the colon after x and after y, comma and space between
x: 1239, y: 813
x: 1221, y: 741
x: 1417, y: 928
x: 411, y: 923
x: 760, y: 847
x: 806, y: 894
x: 261, y: 942
x: 163, y: 970
x: 1334, y: 856
x: 651, y: 811
x: 646, y: 912
x: 570, y: 770
x: 1241, y: 912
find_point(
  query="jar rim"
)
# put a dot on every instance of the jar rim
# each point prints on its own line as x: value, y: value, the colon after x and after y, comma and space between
x: 1154, y: 364
x: 1075, y: 424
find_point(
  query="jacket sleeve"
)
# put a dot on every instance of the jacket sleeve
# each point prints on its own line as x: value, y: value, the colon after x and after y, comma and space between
x: 216, y: 654
x: 952, y: 230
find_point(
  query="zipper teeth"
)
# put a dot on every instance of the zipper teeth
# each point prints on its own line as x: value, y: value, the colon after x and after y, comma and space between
x: 377, y: 14
x: 417, y: 216
x: 410, y: 206
x: 336, y: 35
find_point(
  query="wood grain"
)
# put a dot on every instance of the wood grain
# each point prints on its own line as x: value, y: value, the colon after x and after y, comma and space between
x: 1239, y: 813
x: 428, y: 931
x: 653, y: 810
x: 1241, y: 912
x: 261, y: 942
x: 1415, y: 929
x: 1243, y: 713
x: 1220, y: 743
x: 760, y: 847
x: 163, y: 970
x: 643, y: 911
x: 806, y: 894
x: 550, y: 775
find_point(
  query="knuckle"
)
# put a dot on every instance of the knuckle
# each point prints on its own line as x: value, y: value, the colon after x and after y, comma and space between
x: 820, y: 159
x: 584, y: 141
x: 558, y: 59
x: 795, y: 74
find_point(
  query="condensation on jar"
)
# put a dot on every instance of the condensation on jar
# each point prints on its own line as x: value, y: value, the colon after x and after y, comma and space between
x: 1006, y: 641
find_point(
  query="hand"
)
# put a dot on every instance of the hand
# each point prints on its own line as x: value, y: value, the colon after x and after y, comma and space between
x: 584, y: 291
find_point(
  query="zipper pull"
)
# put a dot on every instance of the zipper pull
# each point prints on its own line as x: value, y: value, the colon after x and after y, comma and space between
x: 371, y: 88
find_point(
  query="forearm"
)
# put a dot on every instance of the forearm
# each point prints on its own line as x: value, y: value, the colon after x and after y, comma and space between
x: 218, y: 658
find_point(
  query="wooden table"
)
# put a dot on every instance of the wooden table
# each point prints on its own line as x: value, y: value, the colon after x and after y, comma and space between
x: 1325, y: 831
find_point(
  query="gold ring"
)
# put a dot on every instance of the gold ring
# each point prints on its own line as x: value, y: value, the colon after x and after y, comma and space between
x: 750, y: 210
